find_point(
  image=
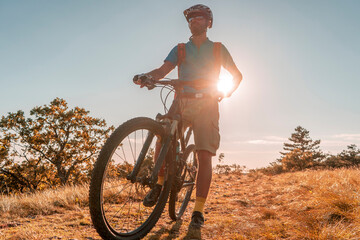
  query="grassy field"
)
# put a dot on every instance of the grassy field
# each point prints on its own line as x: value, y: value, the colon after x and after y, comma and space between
x: 320, y: 204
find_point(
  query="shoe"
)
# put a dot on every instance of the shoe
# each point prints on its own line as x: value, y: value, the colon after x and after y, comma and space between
x: 197, y: 220
x: 152, y: 197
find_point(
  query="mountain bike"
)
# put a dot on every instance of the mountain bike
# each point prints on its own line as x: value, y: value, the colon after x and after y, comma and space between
x: 125, y: 170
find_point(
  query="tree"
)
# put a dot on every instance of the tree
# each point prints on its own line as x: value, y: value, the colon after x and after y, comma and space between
x: 302, y: 152
x: 351, y: 156
x: 347, y: 158
x: 4, y: 148
x: 57, y: 145
x: 221, y: 157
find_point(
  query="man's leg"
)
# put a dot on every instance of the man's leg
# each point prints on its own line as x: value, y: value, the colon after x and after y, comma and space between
x: 205, y: 121
x: 203, y: 183
x: 203, y: 180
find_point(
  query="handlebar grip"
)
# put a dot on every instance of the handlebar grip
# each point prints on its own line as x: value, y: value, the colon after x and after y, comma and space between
x: 144, y: 80
x: 140, y: 79
x: 135, y: 79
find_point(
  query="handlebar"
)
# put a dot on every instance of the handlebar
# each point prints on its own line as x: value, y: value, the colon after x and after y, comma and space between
x: 197, y: 84
x: 178, y: 85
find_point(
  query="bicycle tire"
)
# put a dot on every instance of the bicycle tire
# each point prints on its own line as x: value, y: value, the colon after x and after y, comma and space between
x: 104, y: 204
x: 184, y: 180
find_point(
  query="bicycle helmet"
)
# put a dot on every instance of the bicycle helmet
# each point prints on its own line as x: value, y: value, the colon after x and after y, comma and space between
x: 199, y: 9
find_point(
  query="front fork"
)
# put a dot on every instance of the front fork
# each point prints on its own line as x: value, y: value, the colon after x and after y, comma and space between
x: 164, y: 152
x: 140, y: 160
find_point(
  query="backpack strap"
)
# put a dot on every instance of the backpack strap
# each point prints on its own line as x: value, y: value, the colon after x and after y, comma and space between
x: 181, y: 55
x: 216, y: 52
x: 217, y: 56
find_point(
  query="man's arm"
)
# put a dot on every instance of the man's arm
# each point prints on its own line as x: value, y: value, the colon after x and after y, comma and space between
x: 162, y: 71
x: 237, y: 77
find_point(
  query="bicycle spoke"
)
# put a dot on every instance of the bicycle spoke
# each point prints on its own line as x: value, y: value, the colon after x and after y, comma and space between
x: 130, y: 195
x: 191, y: 171
x: 121, y: 209
x: 121, y: 200
x: 115, y: 194
x: 120, y: 156
x: 131, y: 148
x: 142, y: 136
x: 186, y: 182
x: 135, y: 145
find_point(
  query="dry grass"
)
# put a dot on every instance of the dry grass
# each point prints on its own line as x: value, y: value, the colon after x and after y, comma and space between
x: 44, y: 203
x: 320, y: 204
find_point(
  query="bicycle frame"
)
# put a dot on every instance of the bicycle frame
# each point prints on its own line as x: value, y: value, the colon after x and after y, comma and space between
x: 172, y: 122
x: 173, y: 126
x: 114, y: 202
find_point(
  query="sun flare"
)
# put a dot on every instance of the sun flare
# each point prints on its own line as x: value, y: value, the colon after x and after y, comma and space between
x: 225, y: 82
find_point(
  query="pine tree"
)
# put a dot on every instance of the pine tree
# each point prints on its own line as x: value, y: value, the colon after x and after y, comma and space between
x: 347, y: 158
x: 302, y: 152
x: 351, y: 156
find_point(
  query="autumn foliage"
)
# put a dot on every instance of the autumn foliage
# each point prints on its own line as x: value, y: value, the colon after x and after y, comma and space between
x: 56, y: 145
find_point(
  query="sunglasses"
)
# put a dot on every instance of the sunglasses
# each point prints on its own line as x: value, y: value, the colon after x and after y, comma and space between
x: 199, y: 17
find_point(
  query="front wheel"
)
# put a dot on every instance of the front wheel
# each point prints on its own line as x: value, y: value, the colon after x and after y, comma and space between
x: 183, y: 184
x: 116, y: 203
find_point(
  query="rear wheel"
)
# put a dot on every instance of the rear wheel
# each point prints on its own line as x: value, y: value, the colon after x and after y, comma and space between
x: 183, y: 184
x: 116, y: 203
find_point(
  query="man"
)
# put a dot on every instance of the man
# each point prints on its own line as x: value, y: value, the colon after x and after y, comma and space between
x: 199, y: 110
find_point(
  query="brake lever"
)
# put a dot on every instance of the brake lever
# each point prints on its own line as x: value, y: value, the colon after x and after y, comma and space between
x: 150, y: 87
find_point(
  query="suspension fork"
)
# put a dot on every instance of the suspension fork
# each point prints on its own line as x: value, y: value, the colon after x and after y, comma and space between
x: 164, y: 149
x: 140, y: 160
x: 164, y: 152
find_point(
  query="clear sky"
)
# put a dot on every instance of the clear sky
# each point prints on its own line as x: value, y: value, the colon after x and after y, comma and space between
x: 300, y: 61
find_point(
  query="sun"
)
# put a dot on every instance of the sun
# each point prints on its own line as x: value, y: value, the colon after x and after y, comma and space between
x: 225, y: 83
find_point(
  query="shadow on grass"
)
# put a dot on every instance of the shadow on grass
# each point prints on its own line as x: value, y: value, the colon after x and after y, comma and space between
x: 173, y: 231
x: 193, y: 234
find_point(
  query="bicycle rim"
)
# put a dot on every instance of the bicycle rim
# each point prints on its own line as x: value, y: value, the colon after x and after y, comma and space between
x: 184, y: 184
x: 117, y: 200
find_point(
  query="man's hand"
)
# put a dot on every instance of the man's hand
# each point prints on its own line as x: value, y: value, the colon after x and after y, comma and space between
x: 221, y: 95
x: 228, y: 94
x: 144, y: 80
x: 237, y: 78
x: 236, y: 82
